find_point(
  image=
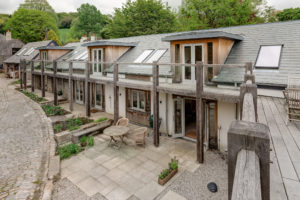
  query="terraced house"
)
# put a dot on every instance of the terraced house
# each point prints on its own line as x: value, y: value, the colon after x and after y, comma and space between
x: 136, y: 77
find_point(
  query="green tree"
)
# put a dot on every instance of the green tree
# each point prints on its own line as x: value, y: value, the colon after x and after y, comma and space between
x: 51, y: 35
x: 30, y: 25
x: 90, y: 20
x: 65, y: 19
x: 141, y: 17
x: 41, y: 5
x: 201, y: 14
x: 289, y: 14
x: 3, y: 20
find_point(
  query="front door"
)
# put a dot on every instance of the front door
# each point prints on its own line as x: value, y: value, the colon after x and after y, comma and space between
x: 98, y: 96
x: 179, y: 117
x: 79, y: 92
x: 191, y: 54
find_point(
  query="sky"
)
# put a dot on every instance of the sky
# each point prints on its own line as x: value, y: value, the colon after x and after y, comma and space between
x: 107, y: 6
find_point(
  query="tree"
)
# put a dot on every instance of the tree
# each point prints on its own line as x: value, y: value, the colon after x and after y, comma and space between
x: 51, y: 35
x: 41, y: 5
x: 30, y: 25
x: 201, y: 14
x: 90, y: 20
x: 65, y: 19
x: 141, y: 17
x: 289, y: 14
x: 3, y: 20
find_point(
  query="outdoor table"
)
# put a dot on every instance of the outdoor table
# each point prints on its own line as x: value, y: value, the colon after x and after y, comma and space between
x: 116, y: 131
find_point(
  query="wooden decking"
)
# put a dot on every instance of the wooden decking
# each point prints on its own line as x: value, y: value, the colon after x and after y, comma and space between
x: 285, y: 145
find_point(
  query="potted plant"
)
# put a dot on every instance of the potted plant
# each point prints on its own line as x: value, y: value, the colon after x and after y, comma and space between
x: 167, y: 174
x: 83, y: 141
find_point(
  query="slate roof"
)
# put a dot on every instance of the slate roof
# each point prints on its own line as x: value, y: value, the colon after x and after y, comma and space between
x: 109, y: 43
x: 202, y: 35
x: 55, y: 48
x: 16, y: 58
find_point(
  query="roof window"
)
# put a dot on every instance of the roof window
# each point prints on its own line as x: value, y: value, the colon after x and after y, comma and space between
x: 21, y: 51
x: 143, y: 56
x: 156, y: 55
x: 29, y: 51
x: 268, y: 56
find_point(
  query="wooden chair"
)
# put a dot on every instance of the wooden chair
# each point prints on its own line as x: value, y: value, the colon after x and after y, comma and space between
x: 292, y: 96
x: 140, y: 136
x: 122, y: 122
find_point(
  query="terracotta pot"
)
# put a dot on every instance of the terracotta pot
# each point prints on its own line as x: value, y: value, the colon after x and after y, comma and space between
x: 167, y: 178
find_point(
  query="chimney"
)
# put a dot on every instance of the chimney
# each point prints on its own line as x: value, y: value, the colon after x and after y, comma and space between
x: 83, y: 38
x: 8, y: 35
x: 93, y: 38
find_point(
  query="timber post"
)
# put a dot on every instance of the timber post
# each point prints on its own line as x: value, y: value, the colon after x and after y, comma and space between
x: 32, y: 75
x: 21, y: 73
x: 249, y: 68
x: 55, y: 82
x: 116, y: 93
x: 25, y: 74
x: 43, y: 78
x: 155, y: 69
x: 87, y: 90
x: 199, y: 112
x: 252, y: 89
x: 71, y: 86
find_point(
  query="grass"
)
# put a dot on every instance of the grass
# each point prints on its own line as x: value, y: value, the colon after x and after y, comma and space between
x: 52, y: 110
x: 101, y: 120
x: 90, y: 141
x: 71, y: 124
x: 33, y: 96
x: 64, y: 35
x: 68, y: 150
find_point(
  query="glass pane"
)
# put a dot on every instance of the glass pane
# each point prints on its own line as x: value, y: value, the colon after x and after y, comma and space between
x: 268, y: 56
x: 99, y: 60
x: 134, y: 99
x: 156, y: 56
x: 187, y: 59
x: 142, y: 100
x: 178, y: 127
x: 198, y: 53
x: 98, y: 95
x: 210, y: 53
x: 143, y: 56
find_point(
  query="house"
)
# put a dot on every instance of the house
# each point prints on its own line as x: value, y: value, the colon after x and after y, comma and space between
x: 272, y: 49
x: 28, y: 52
x: 8, y: 46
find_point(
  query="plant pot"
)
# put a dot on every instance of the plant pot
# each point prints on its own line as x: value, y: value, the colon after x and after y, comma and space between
x: 167, y: 178
x: 83, y: 144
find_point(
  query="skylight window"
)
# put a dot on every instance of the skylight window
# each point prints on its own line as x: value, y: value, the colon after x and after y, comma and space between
x: 143, y: 56
x: 156, y: 56
x: 21, y: 51
x: 80, y: 55
x: 29, y: 51
x: 269, y: 56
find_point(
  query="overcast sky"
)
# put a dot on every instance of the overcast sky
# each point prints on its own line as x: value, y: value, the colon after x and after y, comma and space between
x: 107, y: 6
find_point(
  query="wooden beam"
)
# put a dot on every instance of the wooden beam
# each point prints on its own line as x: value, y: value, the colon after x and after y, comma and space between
x: 116, y: 93
x: 21, y: 73
x: 32, y: 75
x: 55, y: 82
x: 43, y: 78
x: 71, y: 86
x: 24, y: 74
x: 199, y: 112
x: 155, y: 68
x: 87, y: 90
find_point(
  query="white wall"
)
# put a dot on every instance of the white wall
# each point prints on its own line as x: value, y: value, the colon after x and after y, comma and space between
x: 226, y: 114
x: 122, y: 102
x: 109, y: 99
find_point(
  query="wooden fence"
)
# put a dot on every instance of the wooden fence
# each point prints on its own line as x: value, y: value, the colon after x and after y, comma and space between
x: 248, y: 148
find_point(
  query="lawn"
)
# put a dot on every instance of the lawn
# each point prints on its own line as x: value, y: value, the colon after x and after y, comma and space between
x: 64, y: 35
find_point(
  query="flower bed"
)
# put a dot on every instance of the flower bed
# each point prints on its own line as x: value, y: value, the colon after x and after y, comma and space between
x: 70, y: 124
x: 33, y: 96
x: 52, y: 110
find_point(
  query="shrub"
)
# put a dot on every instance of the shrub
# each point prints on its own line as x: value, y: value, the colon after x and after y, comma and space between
x: 164, y: 173
x: 83, y: 139
x: 173, y: 164
x: 33, y: 96
x: 68, y: 150
x: 52, y: 110
x: 73, y: 128
x: 101, y: 120
x: 58, y: 128
x: 90, y: 141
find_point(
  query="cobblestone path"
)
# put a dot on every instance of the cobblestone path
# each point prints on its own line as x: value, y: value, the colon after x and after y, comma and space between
x: 23, y: 144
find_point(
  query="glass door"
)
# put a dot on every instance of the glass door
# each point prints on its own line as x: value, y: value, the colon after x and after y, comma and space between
x: 98, y: 96
x: 96, y: 60
x: 79, y: 92
x: 179, y: 117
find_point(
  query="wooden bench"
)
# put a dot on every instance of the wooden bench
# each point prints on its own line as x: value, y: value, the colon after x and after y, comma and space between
x: 292, y: 96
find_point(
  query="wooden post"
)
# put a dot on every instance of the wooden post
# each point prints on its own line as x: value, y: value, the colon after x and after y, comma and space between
x: 32, y: 75
x: 21, y: 73
x: 55, y: 82
x: 116, y: 93
x: 155, y: 69
x: 24, y: 74
x: 253, y: 137
x: 249, y: 67
x: 248, y: 88
x: 199, y: 112
x: 87, y: 90
x: 71, y: 86
x: 43, y: 78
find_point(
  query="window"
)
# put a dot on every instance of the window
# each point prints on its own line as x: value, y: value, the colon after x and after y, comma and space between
x: 156, y: 56
x: 29, y: 51
x: 210, y: 58
x: 268, y: 56
x: 20, y: 52
x: 80, y: 55
x: 138, y: 100
x: 143, y: 56
x: 44, y: 55
x: 97, y: 59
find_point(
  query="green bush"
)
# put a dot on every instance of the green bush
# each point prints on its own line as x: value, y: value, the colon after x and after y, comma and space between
x: 52, y: 110
x: 101, y: 120
x: 164, y: 173
x: 58, y: 128
x: 83, y: 139
x: 173, y: 164
x: 33, y: 96
x: 90, y: 141
x: 68, y: 150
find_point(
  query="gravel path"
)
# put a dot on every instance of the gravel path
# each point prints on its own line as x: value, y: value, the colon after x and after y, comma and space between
x: 24, y: 144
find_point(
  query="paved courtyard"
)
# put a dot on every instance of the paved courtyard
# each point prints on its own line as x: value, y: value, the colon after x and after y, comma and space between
x: 103, y: 172
x: 23, y: 149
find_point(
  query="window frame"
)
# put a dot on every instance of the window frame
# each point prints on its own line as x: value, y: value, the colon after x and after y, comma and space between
x: 153, y: 53
x: 138, y: 92
x: 147, y: 56
x: 97, y: 60
x: 271, y: 67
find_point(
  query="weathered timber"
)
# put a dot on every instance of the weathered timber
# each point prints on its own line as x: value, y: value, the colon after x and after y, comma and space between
x: 246, y: 183
x: 71, y: 86
x: 21, y: 73
x: 249, y: 77
x: 252, y: 137
x: 199, y: 112
x: 248, y: 108
x: 155, y: 68
x: 248, y: 88
x: 43, y: 78
x: 32, y: 75
x: 25, y: 75
x: 249, y: 68
x: 87, y: 90
x: 55, y: 82
x: 116, y: 93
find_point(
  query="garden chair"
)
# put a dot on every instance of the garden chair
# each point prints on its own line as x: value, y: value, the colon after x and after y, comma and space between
x: 140, y: 136
x: 122, y: 122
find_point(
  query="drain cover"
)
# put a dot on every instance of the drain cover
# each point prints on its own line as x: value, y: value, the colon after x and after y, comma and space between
x: 212, y: 187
